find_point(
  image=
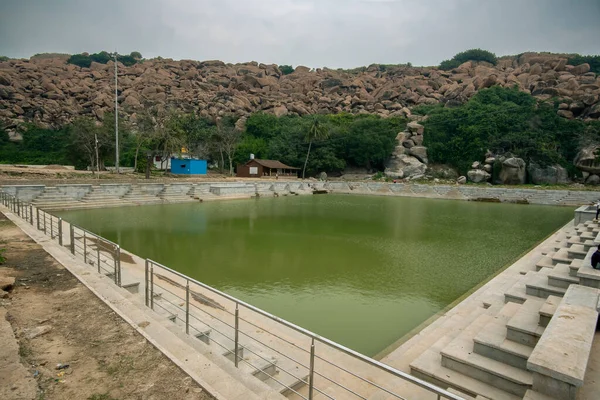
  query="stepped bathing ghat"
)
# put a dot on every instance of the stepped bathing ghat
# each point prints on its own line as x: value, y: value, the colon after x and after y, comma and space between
x: 528, y: 333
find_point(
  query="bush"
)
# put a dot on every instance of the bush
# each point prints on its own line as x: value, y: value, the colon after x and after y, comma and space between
x: 4, y: 58
x: 80, y: 60
x: 469, y: 55
x: 594, y: 61
x: 286, y: 69
x: 503, y: 121
x: 136, y: 55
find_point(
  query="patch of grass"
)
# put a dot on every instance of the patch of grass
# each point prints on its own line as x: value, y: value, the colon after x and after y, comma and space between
x: 24, y: 350
x: 101, y: 396
x: 122, y: 366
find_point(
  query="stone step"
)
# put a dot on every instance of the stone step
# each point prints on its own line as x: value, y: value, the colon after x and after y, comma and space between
x: 574, y: 267
x: 533, y: 395
x: 537, y: 285
x: 545, y: 262
x: 459, y: 356
x: 576, y: 251
x: 491, y: 341
x: 548, y: 309
x: 517, y: 293
x: 428, y: 367
x: 560, y: 277
x: 524, y: 326
x: 562, y: 256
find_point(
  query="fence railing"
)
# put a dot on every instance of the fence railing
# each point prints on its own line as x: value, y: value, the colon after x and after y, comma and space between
x: 308, y: 365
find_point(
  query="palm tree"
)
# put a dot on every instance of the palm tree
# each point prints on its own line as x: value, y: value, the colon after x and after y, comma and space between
x: 315, y: 132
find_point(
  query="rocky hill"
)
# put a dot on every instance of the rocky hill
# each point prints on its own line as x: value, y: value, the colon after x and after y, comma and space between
x: 51, y: 92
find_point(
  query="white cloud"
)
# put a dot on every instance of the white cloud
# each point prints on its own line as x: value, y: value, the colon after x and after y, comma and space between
x: 334, y: 33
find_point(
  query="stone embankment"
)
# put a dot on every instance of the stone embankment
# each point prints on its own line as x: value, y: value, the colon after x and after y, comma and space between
x: 74, y: 196
x: 51, y: 92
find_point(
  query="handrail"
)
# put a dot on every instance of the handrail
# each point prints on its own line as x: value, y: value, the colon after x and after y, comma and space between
x: 400, y: 374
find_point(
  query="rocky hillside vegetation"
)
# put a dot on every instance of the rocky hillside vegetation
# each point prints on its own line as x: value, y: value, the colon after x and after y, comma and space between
x: 52, y: 92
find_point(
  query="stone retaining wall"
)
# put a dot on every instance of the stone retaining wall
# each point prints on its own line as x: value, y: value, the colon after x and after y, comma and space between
x: 457, y: 192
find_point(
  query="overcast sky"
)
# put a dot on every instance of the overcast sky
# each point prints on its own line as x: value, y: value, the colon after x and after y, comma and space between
x: 315, y: 33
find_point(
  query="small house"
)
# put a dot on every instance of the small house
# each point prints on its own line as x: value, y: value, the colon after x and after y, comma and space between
x: 256, y: 168
x: 188, y: 166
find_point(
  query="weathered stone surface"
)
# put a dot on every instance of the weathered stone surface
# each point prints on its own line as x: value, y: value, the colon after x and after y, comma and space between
x: 420, y: 152
x: 593, y: 180
x: 404, y: 166
x: 476, y: 165
x: 51, y: 92
x: 513, y: 171
x: 461, y: 180
x: 549, y: 175
x: 478, y: 175
x: 586, y: 159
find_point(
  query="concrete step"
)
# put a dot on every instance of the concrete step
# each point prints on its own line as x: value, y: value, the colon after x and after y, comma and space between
x: 491, y: 341
x: 562, y: 256
x: 548, y: 309
x: 576, y: 251
x: 524, y: 326
x: 459, y: 356
x: 574, y: 267
x: 537, y: 285
x: 517, y: 293
x: 429, y: 367
x: 560, y: 276
x: 533, y: 395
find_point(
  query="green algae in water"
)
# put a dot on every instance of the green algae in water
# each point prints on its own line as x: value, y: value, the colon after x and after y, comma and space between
x: 360, y: 270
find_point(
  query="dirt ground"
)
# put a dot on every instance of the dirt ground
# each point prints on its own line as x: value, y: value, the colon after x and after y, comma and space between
x: 107, y: 359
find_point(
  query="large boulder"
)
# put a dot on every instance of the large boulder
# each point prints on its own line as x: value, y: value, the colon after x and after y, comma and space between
x: 420, y: 152
x: 586, y: 159
x: 478, y: 175
x: 549, y: 175
x: 404, y: 166
x: 512, y: 171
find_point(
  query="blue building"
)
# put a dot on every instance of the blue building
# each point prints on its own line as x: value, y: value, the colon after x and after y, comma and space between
x: 188, y: 166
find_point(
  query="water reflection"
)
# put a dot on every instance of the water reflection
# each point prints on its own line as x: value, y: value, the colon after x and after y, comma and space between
x: 360, y: 270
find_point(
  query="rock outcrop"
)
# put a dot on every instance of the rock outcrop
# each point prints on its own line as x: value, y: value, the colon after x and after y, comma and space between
x: 513, y: 171
x: 409, y: 159
x: 51, y: 92
x: 548, y: 175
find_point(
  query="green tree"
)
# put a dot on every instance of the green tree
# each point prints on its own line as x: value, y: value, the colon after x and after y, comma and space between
x: 286, y: 69
x: 136, y: 55
x: 316, y: 132
x: 469, y: 55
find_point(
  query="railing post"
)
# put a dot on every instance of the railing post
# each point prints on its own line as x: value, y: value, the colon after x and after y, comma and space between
x: 18, y: 208
x: 187, y: 307
x: 84, y: 248
x: 37, y: 218
x: 118, y: 266
x: 72, y: 237
x: 152, y: 287
x: 146, y: 288
x: 45, y: 232
x: 98, y: 256
x: 237, y: 328
x: 31, y: 214
x: 60, y: 229
x: 311, y: 372
x: 51, y: 228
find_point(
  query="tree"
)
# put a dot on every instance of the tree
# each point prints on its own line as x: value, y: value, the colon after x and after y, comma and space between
x: 85, y: 136
x: 315, y: 132
x: 286, y: 69
x: 227, y: 139
x: 136, y: 55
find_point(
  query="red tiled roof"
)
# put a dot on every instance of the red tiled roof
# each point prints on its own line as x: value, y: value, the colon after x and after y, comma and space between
x: 273, y: 164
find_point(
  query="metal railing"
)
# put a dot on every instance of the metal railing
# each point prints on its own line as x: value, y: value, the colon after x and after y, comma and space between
x: 309, y: 365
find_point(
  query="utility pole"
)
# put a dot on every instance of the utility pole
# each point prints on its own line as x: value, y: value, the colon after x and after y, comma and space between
x: 116, y: 120
x: 97, y: 158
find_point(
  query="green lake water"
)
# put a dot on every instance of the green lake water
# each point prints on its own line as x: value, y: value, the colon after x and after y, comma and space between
x: 360, y: 270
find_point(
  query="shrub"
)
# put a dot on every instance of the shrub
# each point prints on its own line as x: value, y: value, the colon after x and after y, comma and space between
x: 469, y: 55
x: 4, y: 58
x: 594, y: 61
x: 80, y: 60
x: 135, y: 55
x: 286, y: 69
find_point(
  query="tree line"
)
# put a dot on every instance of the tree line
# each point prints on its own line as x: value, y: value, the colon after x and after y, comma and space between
x: 314, y: 143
